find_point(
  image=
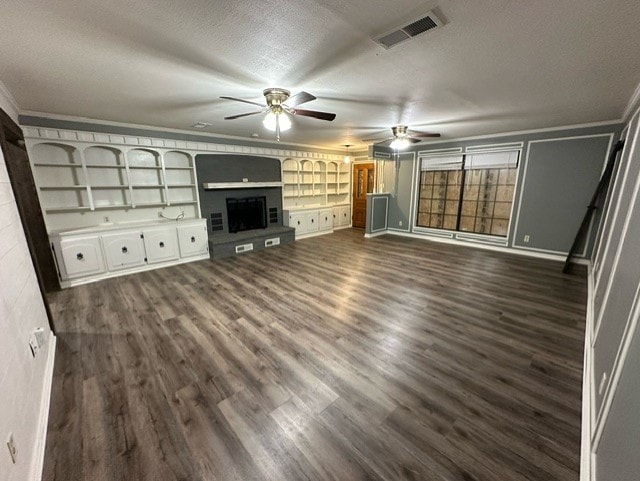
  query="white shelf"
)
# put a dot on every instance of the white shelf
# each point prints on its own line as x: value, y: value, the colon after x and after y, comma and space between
x: 239, y: 185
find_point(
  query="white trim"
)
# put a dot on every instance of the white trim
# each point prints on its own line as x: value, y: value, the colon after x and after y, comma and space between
x: 374, y: 198
x: 200, y: 132
x: 79, y: 138
x: 627, y: 154
x: 148, y: 267
x: 489, y: 247
x: 586, y: 454
x: 239, y: 185
x: 439, y: 152
x: 616, y: 370
x: 526, y: 164
x: 43, y: 418
x: 616, y: 259
x: 486, y: 148
x: 531, y: 131
x: 9, y: 103
x: 376, y: 234
x: 634, y: 102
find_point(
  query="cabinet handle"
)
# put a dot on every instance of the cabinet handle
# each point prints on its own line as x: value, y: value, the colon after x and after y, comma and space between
x: 193, y: 239
x: 79, y: 256
x: 312, y: 221
x: 125, y: 250
x: 326, y: 218
x: 298, y: 222
x: 161, y: 244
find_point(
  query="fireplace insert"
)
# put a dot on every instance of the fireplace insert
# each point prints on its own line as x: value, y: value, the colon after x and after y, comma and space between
x: 246, y: 213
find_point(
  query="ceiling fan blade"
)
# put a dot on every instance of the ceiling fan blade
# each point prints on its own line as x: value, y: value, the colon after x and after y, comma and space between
x: 424, y: 134
x: 378, y: 139
x: 245, y: 101
x: 315, y: 114
x: 384, y: 142
x: 299, y: 99
x: 231, y: 117
x: 413, y: 140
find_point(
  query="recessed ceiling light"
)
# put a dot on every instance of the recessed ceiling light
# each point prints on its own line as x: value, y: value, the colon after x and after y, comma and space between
x: 201, y: 125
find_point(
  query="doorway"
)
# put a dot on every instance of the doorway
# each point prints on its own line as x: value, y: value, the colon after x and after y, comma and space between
x: 363, y: 184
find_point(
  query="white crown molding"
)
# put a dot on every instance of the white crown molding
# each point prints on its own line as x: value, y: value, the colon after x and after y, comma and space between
x: 634, y: 103
x: 8, y: 103
x: 202, y: 132
x: 604, y: 123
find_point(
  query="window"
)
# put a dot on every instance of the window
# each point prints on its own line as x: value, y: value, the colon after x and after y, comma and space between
x: 469, y: 193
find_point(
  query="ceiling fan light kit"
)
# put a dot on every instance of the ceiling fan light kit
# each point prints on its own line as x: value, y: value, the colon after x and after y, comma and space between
x: 278, y: 113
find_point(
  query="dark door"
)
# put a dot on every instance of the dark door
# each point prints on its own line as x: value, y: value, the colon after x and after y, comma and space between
x: 363, y: 182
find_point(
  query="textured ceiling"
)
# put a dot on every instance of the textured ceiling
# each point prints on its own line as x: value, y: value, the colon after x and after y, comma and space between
x: 497, y: 66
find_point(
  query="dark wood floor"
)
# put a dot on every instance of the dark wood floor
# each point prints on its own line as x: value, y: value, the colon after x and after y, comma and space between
x: 337, y: 358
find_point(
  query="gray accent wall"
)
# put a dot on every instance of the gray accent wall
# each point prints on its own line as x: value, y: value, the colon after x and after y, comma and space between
x: 235, y: 168
x: 613, y: 372
x: 561, y: 176
x: 558, y: 172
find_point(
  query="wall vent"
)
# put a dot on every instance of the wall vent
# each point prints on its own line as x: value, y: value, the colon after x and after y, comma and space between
x: 408, y: 31
x: 273, y: 215
x: 216, y: 222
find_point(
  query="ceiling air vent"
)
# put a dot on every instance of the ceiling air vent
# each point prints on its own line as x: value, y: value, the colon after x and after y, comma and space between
x: 411, y: 30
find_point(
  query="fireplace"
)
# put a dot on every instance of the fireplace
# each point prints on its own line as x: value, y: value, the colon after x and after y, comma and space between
x: 246, y: 213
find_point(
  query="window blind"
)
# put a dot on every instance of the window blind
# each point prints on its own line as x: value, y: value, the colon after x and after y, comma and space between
x: 492, y: 160
x: 449, y: 162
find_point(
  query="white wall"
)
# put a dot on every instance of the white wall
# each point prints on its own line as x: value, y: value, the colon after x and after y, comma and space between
x: 24, y: 380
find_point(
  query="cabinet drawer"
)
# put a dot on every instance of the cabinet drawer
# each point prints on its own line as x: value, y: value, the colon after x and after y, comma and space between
x: 325, y: 219
x: 192, y: 240
x: 161, y: 244
x: 81, y: 256
x: 123, y: 250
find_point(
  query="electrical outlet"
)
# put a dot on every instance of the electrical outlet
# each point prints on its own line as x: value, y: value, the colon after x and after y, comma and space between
x: 13, y: 450
x: 41, y: 337
x: 106, y: 219
x: 526, y: 239
x: 400, y: 224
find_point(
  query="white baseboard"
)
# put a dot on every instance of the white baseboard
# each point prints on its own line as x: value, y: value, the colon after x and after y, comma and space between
x: 586, y: 457
x: 43, y: 418
x: 508, y: 250
x: 375, y: 234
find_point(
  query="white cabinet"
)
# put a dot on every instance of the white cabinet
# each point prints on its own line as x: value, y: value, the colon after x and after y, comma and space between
x: 161, y: 244
x: 325, y: 219
x: 193, y: 240
x: 123, y: 250
x: 79, y: 256
x: 310, y: 221
x: 341, y: 216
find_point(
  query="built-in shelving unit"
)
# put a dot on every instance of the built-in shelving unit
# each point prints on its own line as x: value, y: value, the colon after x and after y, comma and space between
x: 79, y: 178
x: 315, y: 182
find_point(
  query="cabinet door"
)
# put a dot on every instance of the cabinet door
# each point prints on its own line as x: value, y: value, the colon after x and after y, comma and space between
x: 161, y: 244
x: 336, y: 216
x: 81, y: 256
x: 311, y: 221
x: 193, y: 240
x: 297, y: 220
x: 325, y: 219
x: 345, y: 215
x: 123, y: 250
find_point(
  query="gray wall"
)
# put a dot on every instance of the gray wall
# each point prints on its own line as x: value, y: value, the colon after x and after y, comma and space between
x: 615, y: 337
x: 556, y: 178
x: 235, y: 168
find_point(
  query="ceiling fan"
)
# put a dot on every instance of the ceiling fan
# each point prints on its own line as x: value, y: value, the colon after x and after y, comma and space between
x: 402, y: 137
x: 279, y: 105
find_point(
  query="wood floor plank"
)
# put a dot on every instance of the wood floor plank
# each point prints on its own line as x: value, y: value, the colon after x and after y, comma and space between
x: 334, y: 358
